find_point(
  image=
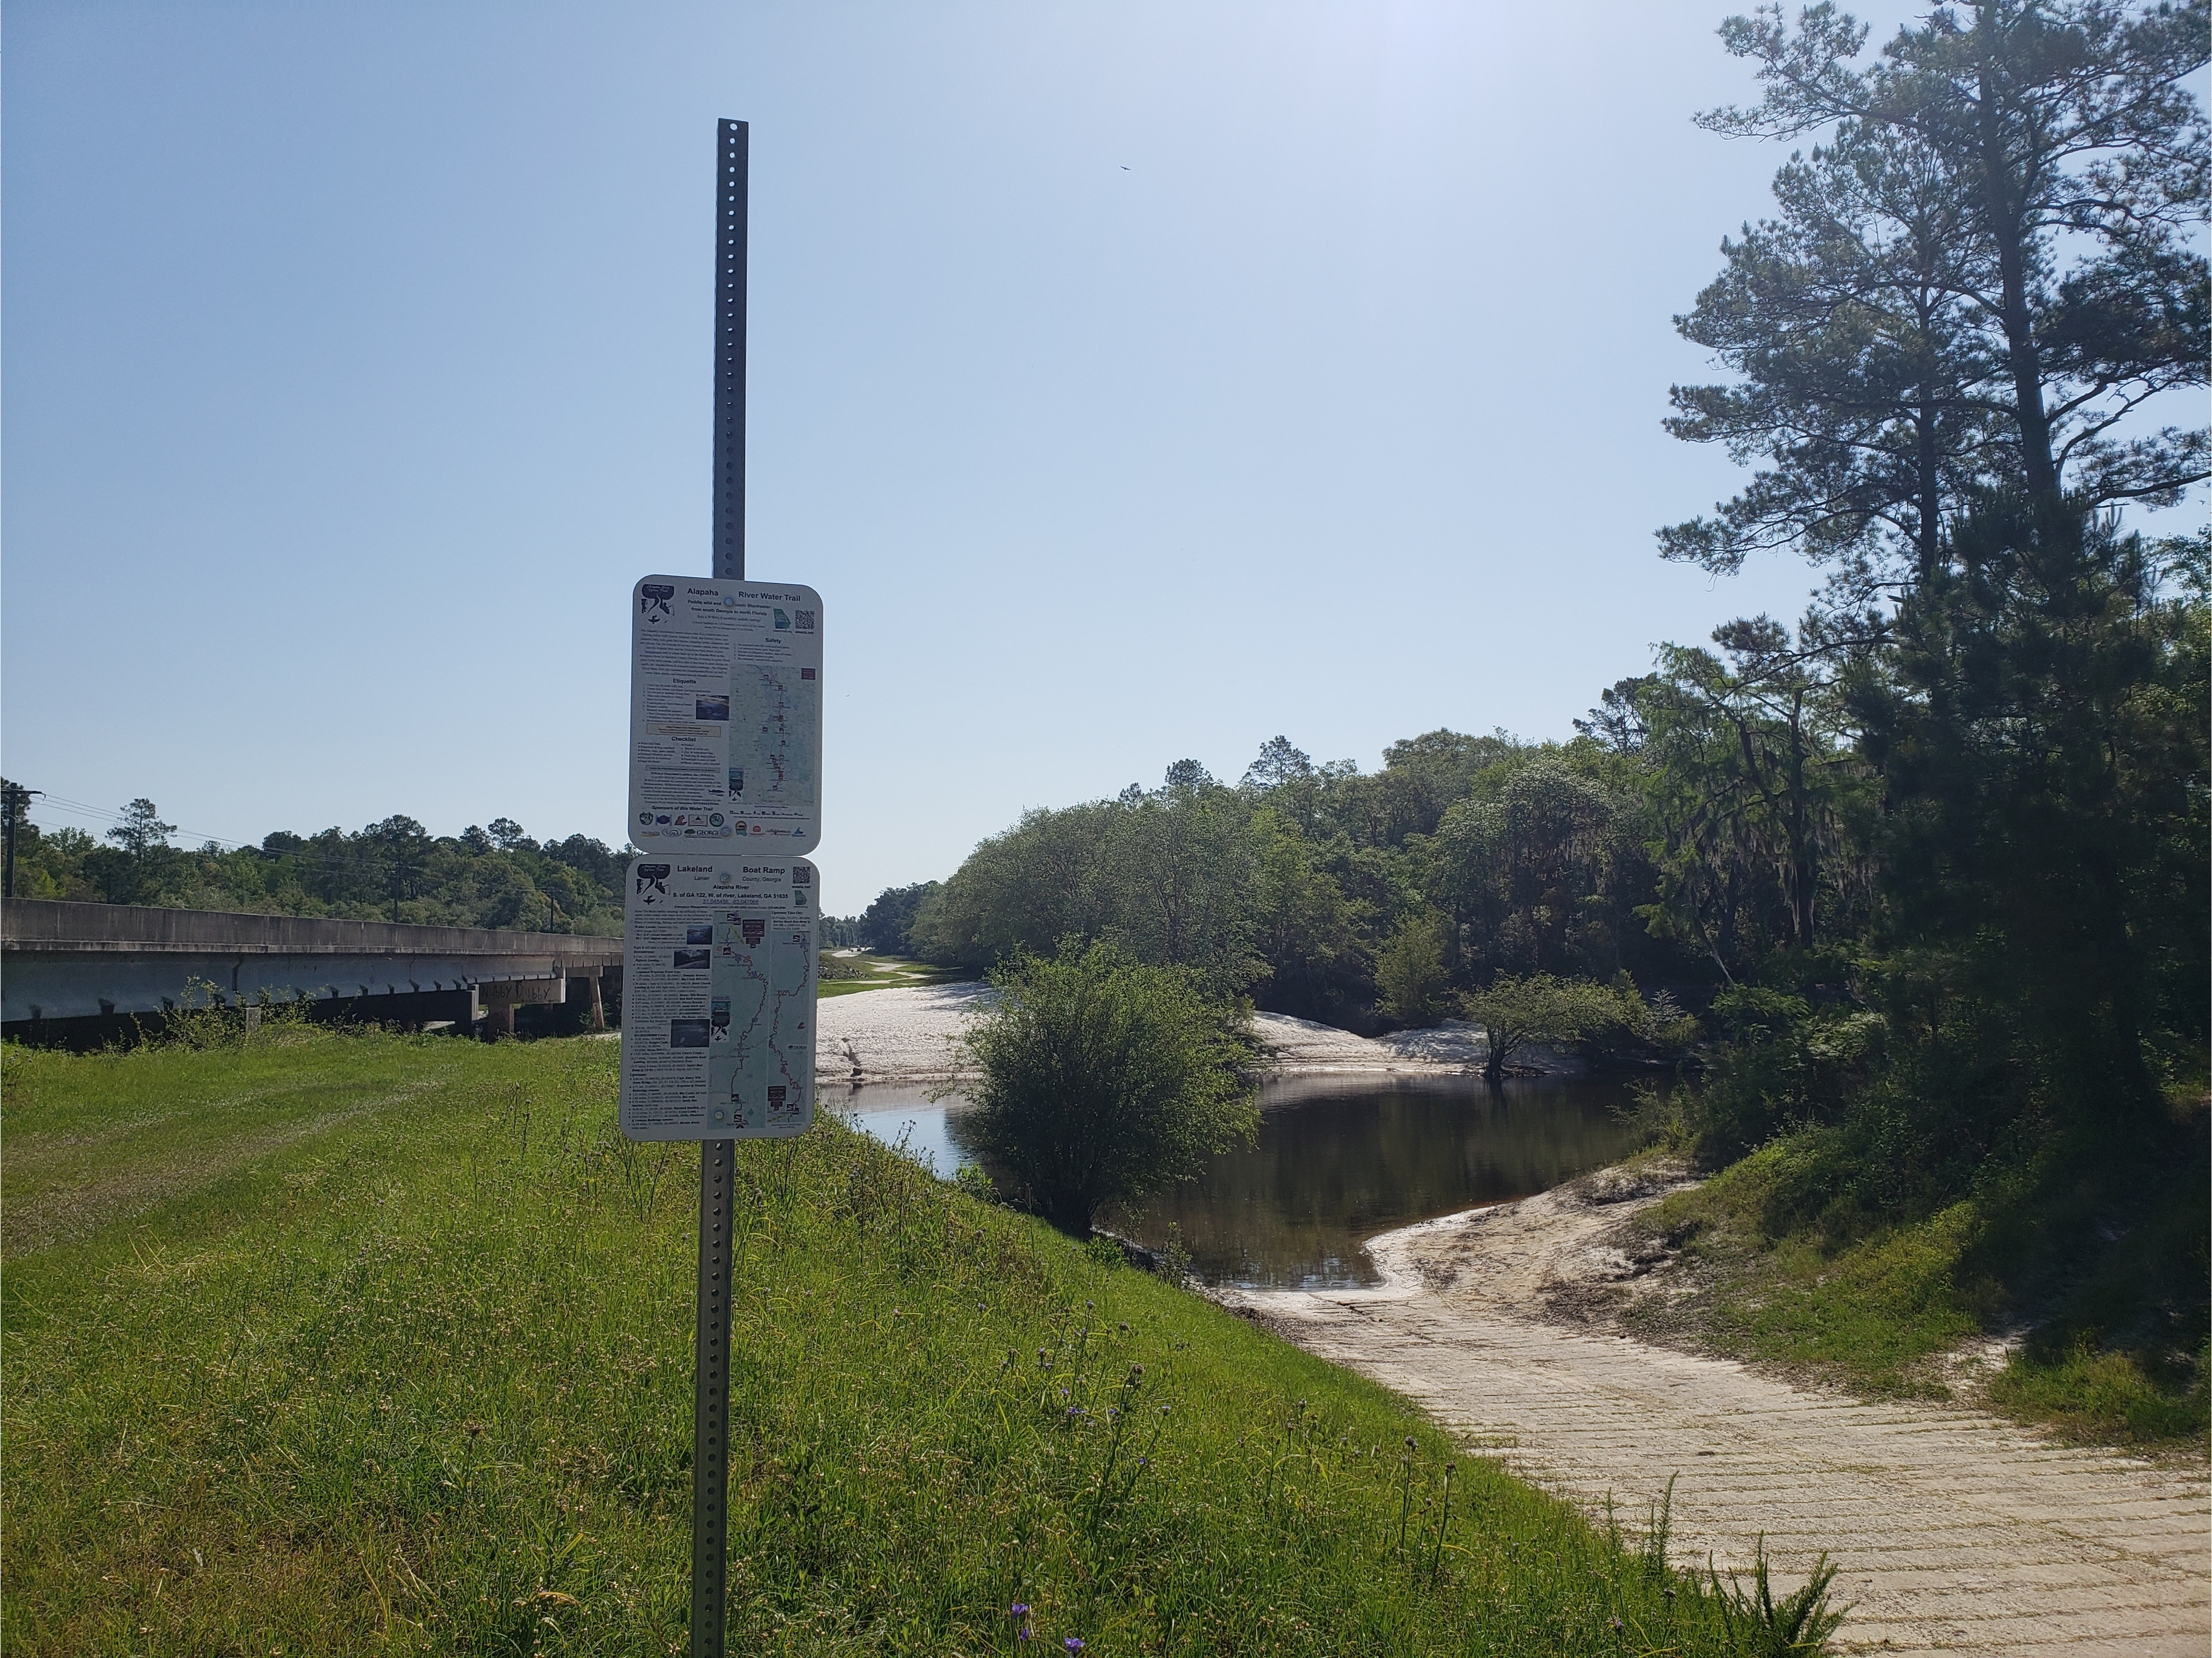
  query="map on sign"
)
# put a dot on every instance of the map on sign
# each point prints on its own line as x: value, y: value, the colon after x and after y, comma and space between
x: 718, y: 996
x: 726, y: 713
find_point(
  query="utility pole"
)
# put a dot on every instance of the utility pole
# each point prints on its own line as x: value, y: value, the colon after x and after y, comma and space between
x: 710, y: 1440
x: 15, y: 800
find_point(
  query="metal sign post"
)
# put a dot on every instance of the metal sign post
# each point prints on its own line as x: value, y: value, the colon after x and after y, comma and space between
x: 710, y: 1453
x: 720, y: 937
x: 730, y: 354
x: 710, y: 1444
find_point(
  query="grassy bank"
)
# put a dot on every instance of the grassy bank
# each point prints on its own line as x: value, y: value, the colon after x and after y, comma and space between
x: 2092, y: 1268
x: 364, y: 1343
x: 843, y: 975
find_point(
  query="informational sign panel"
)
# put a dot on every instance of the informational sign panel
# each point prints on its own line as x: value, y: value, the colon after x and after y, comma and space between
x: 718, y: 996
x: 724, y: 714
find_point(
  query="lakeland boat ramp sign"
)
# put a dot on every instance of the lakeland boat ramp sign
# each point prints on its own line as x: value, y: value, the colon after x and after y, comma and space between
x: 718, y: 996
x: 725, y: 715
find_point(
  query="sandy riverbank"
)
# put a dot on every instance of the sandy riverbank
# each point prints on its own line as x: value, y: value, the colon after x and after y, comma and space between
x: 909, y: 1035
x: 1956, y: 1530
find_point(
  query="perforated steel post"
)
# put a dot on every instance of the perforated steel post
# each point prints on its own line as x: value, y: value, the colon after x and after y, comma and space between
x: 710, y: 1435
x: 730, y: 354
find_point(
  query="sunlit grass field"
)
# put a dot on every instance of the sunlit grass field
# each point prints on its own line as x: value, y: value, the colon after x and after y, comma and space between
x: 345, y: 1342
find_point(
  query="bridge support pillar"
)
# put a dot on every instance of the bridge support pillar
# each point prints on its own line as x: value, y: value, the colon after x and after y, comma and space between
x: 498, y: 1020
x: 463, y: 1011
x: 596, y: 1019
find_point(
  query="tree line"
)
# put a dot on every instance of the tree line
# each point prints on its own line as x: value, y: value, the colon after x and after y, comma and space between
x: 1930, y: 867
x: 393, y: 870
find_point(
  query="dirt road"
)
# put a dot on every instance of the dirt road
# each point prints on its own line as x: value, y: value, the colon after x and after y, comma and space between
x: 1955, y: 1531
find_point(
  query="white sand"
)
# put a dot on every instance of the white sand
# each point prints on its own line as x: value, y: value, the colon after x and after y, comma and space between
x: 909, y: 1035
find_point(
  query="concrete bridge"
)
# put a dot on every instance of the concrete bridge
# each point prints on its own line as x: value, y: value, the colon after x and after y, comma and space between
x: 71, y: 971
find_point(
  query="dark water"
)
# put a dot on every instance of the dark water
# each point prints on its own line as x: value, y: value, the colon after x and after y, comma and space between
x: 1339, y: 1159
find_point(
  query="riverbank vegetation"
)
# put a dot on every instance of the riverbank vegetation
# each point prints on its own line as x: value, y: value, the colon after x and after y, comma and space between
x: 1100, y: 1079
x: 321, y: 1342
x: 1929, y: 869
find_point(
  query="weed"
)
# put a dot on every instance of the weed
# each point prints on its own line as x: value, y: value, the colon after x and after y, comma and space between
x: 1760, y: 1626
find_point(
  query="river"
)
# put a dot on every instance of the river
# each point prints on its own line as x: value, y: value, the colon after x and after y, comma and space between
x: 1338, y: 1160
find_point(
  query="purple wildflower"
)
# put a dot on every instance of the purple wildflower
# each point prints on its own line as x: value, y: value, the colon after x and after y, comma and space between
x: 1073, y: 1644
x: 1019, y: 1609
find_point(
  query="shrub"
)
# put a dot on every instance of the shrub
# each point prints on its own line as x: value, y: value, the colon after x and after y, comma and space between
x: 1105, y: 1079
x: 1785, y: 1067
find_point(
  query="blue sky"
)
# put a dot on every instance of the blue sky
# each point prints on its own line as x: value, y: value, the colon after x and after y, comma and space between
x: 1134, y: 382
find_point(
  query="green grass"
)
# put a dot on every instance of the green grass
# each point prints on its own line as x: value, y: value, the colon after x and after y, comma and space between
x: 367, y: 1342
x: 1872, y: 1314
x: 886, y: 973
x: 2102, y: 1265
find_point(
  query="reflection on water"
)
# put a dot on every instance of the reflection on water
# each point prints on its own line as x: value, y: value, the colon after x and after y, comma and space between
x: 1339, y: 1159
x: 903, y: 1113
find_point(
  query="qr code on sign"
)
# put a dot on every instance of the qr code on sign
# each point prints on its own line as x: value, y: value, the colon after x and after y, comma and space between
x: 805, y: 620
